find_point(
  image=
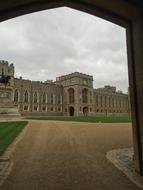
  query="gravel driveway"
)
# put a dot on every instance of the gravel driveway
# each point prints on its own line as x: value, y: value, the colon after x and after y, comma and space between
x: 56, y: 155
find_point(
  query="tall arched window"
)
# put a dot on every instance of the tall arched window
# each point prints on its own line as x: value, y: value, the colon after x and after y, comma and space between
x: 52, y: 98
x: 71, y: 95
x: 90, y: 97
x: 113, y: 102
x: 105, y: 101
x: 44, y: 98
x: 16, y: 95
x: 26, y: 97
x: 35, y: 97
x: 84, y: 96
x: 97, y: 100
x: 109, y: 102
x: 101, y: 102
x: 59, y: 99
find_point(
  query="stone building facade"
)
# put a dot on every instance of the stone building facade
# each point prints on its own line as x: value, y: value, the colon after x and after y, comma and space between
x: 69, y: 95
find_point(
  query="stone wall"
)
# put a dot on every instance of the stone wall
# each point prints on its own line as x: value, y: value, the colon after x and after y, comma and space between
x: 43, y: 98
x: 71, y: 94
x: 110, y: 102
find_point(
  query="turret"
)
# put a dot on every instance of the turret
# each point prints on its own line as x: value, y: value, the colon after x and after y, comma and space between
x: 8, y: 69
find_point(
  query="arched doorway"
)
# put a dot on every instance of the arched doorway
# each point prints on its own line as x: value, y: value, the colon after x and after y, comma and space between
x: 85, y: 111
x: 118, y: 12
x: 71, y: 111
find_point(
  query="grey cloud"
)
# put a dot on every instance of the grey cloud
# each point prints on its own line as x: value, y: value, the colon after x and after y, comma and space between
x: 49, y: 43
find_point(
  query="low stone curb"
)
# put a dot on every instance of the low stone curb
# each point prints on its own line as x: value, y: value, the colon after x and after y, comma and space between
x: 123, y: 160
x: 5, y: 169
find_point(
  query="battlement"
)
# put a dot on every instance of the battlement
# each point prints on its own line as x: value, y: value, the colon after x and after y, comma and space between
x: 107, y: 88
x: 75, y: 74
x: 7, y: 68
x: 4, y: 62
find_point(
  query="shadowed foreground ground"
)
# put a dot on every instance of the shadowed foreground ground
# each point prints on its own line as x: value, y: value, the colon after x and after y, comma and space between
x: 69, y: 156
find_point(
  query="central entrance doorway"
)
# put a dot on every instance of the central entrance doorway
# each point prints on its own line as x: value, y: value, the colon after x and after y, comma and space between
x: 71, y: 111
x: 85, y: 111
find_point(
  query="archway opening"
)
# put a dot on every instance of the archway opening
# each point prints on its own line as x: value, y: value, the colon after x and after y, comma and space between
x: 85, y: 111
x: 71, y: 111
x: 119, y: 13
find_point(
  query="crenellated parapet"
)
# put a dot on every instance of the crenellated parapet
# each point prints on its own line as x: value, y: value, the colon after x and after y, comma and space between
x: 75, y: 74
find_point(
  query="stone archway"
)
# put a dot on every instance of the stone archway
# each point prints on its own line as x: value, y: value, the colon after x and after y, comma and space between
x: 85, y: 111
x: 126, y: 13
x: 71, y: 111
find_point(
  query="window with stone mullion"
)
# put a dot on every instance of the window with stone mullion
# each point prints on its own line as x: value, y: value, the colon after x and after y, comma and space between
x: 26, y: 96
x: 44, y: 98
x: 84, y: 96
x: 71, y: 95
x: 35, y: 97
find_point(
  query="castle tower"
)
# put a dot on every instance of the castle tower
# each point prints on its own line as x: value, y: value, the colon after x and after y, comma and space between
x: 77, y: 94
x: 6, y: 89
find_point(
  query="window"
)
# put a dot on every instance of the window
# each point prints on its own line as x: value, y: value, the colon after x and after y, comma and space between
x: 44, y: 109
x: 109, y: 102
x: 105, y: 101
x: 52, y: 98
x: 84, y: 95
x: 26, y: 99
x: 97, y: 100
x: 116, y: 101
x: 35, y: 97
x: 25, y: 108
x: 71, y: 95
x: 51, y: 108
x: 59, y: 99
x: 120, y: 103
x: 44, y: 98
x: 16, y: 96
x: 90, y: 97
x: 113, y: 102
x: 35, y: 108
x: 101, y: 101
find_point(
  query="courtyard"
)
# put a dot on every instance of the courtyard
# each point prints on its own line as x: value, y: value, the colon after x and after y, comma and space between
x: 61, y: 155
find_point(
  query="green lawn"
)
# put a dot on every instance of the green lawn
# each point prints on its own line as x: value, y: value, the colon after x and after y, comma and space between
x: 104, y: 119
x: 8, y: 132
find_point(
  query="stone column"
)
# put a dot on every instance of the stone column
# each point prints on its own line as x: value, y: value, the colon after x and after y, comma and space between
x: 135, y: 62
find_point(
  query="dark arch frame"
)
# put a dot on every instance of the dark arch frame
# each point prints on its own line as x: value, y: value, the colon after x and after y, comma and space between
x: 126, y: 13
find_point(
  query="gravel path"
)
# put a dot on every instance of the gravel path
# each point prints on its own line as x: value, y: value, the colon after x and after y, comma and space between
x: 69, y: 156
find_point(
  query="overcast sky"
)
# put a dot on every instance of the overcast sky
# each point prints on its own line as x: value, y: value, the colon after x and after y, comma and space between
x: 47, y: 44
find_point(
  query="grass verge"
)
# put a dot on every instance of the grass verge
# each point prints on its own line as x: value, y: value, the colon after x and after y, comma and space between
x: 8, y: 132
x: 91, y: 119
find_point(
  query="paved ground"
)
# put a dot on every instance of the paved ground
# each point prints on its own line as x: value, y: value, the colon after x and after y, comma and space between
x: 69, y: 156
x: 123, y: 160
